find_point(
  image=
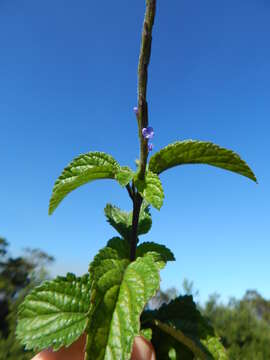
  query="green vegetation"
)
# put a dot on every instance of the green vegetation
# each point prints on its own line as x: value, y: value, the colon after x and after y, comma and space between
x: 243, y: 326
x: 109, y: 305
x: 18, y: 275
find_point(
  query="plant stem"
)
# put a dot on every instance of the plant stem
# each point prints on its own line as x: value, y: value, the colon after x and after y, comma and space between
x: 130, y: 191
x: 142, y: 115
x: 144, y: 60
x: 137, y: 202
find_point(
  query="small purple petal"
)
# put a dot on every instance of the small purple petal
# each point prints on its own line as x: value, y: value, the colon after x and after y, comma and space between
x: 150, y: 146
x: 135, y: 109
x: 148, y: 132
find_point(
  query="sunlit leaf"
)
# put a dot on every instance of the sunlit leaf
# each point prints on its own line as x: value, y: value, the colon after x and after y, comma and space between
x: 151, y: 189
x: 124, y: 175
x: 122, y: 220
x: 162, y: 250
x: 54, y: 314
x: 120, y: 291
x: 83, y: 169
x: 198, y: 152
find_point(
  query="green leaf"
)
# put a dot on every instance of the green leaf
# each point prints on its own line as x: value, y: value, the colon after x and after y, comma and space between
x: 122, y: 220
x: 145, y: 220
x: 160, y: 253
x: 164, y: 253
x: 54, y: 314
x: 124, y: 175
x: 146, y: 333
x: 183, y: 314
x: 182, y: 327
x: 198, y: 152
x: 121, y: 246
x: 83, y: 169
x: 151, y: 189
x: 119, y: 220
x: 215, y: 347
x: 172, y: 354
x: 119, y: 292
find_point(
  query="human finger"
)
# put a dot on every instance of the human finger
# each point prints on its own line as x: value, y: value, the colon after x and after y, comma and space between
x: 142, y: 350
x: 73, y: 352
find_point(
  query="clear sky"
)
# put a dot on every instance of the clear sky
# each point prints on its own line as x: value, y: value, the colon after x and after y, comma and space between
x: 68, y: 86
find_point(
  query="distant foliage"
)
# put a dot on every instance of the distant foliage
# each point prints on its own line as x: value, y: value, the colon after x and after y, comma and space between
x: 243, y: 325
x: 17, y: 277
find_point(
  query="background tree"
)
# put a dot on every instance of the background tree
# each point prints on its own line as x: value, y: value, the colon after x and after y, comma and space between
x: 18, y: 275
x: 243, y: 325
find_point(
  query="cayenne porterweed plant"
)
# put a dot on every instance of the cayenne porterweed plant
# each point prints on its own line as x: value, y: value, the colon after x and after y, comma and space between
x: 108, y: 304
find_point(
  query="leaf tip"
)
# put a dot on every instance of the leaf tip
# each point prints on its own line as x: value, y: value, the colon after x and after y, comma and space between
x: 51, y: 208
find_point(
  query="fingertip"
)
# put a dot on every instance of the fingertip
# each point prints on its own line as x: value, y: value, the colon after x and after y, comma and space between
x: 142, y: 349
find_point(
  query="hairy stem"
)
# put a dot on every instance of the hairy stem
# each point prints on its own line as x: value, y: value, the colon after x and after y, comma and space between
x: 142, y: 115
x: 144, y: 60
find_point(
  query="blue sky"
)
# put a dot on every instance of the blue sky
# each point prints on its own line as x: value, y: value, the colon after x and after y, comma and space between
x: 68, y: 86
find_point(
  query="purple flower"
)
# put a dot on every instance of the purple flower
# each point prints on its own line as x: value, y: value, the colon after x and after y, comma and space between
x: 135, y: 109
x: 148, y: 132
x: 150, y: 146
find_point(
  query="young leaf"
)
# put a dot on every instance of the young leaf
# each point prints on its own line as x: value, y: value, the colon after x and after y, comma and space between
x: 120, y: 290
x: 162, y: 250
x: 118, y: 219
x: 83, y: 169
x: 121, y: 246
x: 122, y: 220
x: 124, y: 175
x: 151, y: 189
x: 182, y: 324
x: 54, y: 314
x: 198, y: 152
x: 145, y: 220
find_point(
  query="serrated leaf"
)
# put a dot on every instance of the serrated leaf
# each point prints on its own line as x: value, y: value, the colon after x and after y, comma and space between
x: 83, y: 169
x: 122, y: 220
x: 54, y: 314
x: 198, y: 152
x: 145, y: 220
x: 121, y: 246
x: 151, y: 189
x: 164, y: 253
x: 120, y: 291
x: 160, y: 253
x: 180, y: 323
x: 124, y: 175
x: 183, y: 314
x: 118, y: 219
